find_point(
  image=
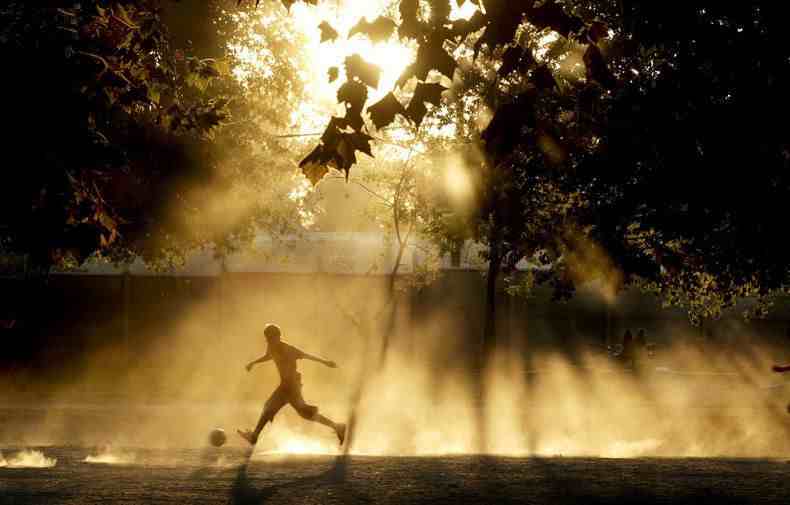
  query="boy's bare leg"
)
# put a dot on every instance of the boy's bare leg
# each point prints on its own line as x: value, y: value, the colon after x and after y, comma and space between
x: 262, y: 421
x: 252, y: 436
x: 270, y: 409
x: 340, y: 428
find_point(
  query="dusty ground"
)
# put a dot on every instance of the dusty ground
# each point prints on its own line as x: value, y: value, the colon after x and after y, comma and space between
x: 221, y: 476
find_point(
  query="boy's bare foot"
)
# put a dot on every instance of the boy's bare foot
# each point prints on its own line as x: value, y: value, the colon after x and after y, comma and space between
x: 340, y: 429
x: 249, y: 436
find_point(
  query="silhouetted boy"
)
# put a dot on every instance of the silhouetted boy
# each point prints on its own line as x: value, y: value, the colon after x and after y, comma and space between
x: 290, y: 389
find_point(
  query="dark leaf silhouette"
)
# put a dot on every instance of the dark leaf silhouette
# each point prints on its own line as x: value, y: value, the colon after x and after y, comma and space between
x: 465, y: 27
x: 597, y: 32
x: 333, y: 73
x: 354, y: 119
x: 286, y: 3
x: 503, y: 19
x: 510, y: 59
x: 333, y: 129
x: 377, y: 31
x: 383, y: 112
x: 410, y: 25
x: 337, y: 150
x: 515, y: 58
x: 353, y: 94
x: 416, y: 112
x: 327, y: 32
x: 358, y: 68
x: 440, y: 11
x: 429, y: 93
x: 289, y: 3
x: 315, y: 164
x: 542, y: 78
x: 550, y: 14
x: 430, y: 56
x: 424, y: 93
x: 361, y: 142
x: 503, y: 133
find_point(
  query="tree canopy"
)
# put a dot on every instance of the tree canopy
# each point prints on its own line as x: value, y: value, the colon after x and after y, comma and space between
x: 128, y: 140
x: 630, y: 151
x: 627, y: 141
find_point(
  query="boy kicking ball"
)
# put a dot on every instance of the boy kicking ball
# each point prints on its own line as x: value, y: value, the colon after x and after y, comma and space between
x: 285, y: 356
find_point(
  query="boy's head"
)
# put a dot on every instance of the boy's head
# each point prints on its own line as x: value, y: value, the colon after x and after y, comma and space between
x: 272, y: 333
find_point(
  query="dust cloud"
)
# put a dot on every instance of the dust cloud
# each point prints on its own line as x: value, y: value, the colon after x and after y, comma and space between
x: 109, y: 455
x: 184, y: 379
x: 27, y: 458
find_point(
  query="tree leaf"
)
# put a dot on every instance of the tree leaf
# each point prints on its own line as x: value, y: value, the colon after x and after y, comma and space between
x: 429, y: 92
x: 430, y: 56
x: 286, y: 3
x: 515, y: 58
x: 503, y: 19
x: 410, y: 25
x: 543, y: 78
x: 337, y: 150
x: 361, y: 142
x: 315, y: 165
x: 440, y: 11
x: 550, y: 14
x: 377, y: 31
x: 327, y: 32
x: 333, y: 73
x: 416, y: 112
x: 424, y: 93
x: 358, y: 68
x: 465, y: 27
x: 354, y: 94
x: 383, y: 112
x: 503, y: 133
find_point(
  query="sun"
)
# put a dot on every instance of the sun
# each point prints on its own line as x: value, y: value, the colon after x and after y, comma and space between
x: 311, y: 115
x: 391, y: 56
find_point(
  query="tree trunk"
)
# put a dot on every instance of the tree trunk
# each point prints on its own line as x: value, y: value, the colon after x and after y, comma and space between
x: 489, y: 342
x: 392, y: 300
x: 489, y: 328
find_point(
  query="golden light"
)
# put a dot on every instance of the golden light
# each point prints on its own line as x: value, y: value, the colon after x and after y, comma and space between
x: 544, y: 44
x: 299, y: 444
x: 457, y: 181
x: 392, y: 56
x: 465, y: 11
x: 311, y: 114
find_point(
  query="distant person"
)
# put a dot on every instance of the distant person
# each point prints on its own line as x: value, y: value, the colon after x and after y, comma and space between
x: 782, y: 369
x: 643, y: 348
x: 285, y: 356
x: 641, y: 338
x: 628, y: 353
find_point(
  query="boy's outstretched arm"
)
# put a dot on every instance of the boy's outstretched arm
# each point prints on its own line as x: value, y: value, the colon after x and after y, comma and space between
x: 329, y: 363
x: 262, y: 359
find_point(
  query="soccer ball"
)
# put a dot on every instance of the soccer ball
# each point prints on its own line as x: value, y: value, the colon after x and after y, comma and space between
x: 217, y: 437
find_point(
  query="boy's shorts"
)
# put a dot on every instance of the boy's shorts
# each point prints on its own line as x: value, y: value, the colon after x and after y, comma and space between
x: 288, y: 393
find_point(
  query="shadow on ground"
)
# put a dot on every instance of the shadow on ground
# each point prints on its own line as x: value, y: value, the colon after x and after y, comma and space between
x: 332, y: 481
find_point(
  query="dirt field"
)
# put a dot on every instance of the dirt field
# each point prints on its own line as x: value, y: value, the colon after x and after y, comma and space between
x: 221, y: 476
